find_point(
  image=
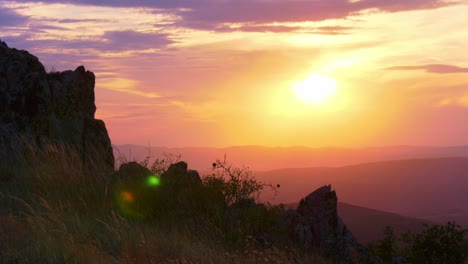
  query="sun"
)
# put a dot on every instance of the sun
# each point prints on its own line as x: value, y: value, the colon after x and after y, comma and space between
x: 315, y: 89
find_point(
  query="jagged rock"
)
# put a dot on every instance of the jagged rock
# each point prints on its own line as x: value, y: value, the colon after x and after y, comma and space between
x: 180, y: 167
x: 49, y: 108
x: 194, y: 176
x: 133, y: 170
x: 317, y: 227
x: 178, y: 173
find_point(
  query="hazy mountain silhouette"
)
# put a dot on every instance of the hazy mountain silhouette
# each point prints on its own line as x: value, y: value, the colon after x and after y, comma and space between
x: 269, y: 158
x: 433, y: 189
x: 368, y: 224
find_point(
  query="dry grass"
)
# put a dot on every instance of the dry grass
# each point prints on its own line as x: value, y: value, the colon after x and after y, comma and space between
x: 54, y: 210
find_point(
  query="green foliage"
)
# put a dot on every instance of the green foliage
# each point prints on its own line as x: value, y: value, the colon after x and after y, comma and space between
x: 386, y: 248
x: 437, y: 244
x: 259, y: 221
x: 234, y: 183
x: 225, y: 202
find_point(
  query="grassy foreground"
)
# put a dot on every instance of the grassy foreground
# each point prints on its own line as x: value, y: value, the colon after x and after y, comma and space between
x: 53, y: 210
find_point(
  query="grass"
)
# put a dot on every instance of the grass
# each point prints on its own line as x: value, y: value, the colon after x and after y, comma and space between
x: 54, y: 210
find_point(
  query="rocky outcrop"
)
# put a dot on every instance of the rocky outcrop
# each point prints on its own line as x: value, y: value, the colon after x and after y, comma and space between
x: 178, y: 173
x: 315, y: 225
x: 49, y: 108
x: 132, y: 171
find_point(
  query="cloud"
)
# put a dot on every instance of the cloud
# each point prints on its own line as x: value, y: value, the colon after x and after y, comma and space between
x: 110, y: 41
x: 132, y: 40
x: 432, y: 68
x: 255, y: 27
x: 125, y: 86
x: 9, y: 17
x: 212, y: 14
x: 69, y: 20
x: 163, y: 4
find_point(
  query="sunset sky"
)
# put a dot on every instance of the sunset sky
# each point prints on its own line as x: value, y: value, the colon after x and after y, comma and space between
x: 218, y: 73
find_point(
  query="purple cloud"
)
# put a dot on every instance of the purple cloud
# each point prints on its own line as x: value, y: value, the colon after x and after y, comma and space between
x: 9, y: 17
x: 132, y: 40
x: 111, y: 41
x: 328, y: 30
x: 69, y: 20
x: 432, y: 68
x: 163, y: 4
x: 211, y: 15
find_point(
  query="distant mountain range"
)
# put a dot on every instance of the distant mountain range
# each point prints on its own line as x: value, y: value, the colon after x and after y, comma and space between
x: 260, y: 158
x: 433, y: 189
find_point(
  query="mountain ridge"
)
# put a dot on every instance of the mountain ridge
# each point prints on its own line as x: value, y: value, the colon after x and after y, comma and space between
x: 268, y: 158
x: 433, y: 189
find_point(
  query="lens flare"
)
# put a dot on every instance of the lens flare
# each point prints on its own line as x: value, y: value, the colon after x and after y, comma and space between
x: 134, y: 197
x: 127, y: 196
x: 153, y: 181
x: 126, y: 201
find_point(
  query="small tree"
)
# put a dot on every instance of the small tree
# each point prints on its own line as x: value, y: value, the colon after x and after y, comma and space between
x: 235, y: 183
x: 387, y: 247
x: 441, y: 244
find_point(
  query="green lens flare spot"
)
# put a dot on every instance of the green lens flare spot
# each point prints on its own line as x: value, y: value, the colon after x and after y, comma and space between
x: 153, y: 181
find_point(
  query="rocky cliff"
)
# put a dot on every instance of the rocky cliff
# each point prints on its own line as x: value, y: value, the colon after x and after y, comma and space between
x: 45, y: 107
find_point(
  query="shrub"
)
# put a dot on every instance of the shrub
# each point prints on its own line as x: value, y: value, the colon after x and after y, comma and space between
x: 234, y: 183
x: 386, y: 248
x: 437, y: 244
x: 444, y: 244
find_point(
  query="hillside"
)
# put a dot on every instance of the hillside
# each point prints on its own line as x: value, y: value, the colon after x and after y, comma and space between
x: 433, y: 189
x: 368, y: 224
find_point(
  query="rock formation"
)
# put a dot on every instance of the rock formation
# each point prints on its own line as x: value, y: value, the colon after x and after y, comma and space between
x: 315, y: 225
x: 133, y: 171
x: 49, y: 108
x: 178, y: 173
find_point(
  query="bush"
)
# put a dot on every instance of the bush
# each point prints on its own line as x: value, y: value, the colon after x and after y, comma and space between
x: 436, y: 244
x: 386, y: 248
x: 234, y: 183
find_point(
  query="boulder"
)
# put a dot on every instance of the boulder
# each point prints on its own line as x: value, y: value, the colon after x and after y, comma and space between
x: 46, y: 109
x: 133, y: 171
x: 316, y: 226
x: 178, y: 173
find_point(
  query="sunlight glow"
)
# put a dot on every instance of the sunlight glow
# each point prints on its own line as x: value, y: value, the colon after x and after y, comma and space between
x: 316, y: 89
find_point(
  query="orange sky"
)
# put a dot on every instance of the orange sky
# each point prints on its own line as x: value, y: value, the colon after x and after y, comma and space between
x: 220, y: 73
